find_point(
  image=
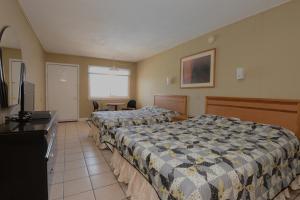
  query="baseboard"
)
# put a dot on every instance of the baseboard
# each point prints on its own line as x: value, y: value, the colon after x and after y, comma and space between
x: 83, y: 119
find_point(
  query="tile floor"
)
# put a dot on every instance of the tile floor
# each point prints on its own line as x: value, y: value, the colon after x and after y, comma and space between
x: 81, y: 171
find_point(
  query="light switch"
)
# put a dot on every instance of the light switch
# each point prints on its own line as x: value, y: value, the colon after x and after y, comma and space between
x: 240, y: 73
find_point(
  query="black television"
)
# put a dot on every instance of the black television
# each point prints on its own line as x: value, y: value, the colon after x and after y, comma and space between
x: 21, y: 100
x: 23, y: 115
x: 3, y: 85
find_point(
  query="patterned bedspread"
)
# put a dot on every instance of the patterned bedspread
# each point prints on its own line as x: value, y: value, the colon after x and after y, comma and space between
x: 108, y: 121
x: 211, y: 157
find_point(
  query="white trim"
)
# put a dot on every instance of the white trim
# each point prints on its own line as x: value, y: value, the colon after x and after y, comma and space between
x: 108, y: 98
x: 64, y: 64
x: 78, y: 82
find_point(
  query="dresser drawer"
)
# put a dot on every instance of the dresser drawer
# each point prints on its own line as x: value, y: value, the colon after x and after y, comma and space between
x: 51, y: 153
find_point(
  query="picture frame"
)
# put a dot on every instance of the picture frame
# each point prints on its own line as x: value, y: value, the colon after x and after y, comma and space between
x: 198, y: 70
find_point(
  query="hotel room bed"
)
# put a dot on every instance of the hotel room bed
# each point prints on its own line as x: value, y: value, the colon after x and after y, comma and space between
x: 108, y: 121
x: 164, y: 110
x: 209, y: 157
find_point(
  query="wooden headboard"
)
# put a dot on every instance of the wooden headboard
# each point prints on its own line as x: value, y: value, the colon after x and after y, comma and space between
x: 176, y: 103
x: 285, y: 113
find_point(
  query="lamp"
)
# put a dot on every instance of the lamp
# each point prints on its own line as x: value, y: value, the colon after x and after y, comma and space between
x: 240, y: 73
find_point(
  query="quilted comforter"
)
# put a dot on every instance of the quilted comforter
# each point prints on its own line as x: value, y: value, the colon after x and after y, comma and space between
x: 211, y: 157
x: 108, y: 121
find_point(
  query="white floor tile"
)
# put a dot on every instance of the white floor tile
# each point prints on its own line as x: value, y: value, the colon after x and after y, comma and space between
x: 92, y: 154
x: 73, y: 174
x: 71, y: 146
x: 56, y: 191
x: 75, y: 164
x: 94, y: 161
x: 73, y: 150
x: 98, y: 169
x: 58, y: 177
x: 58, y: 167
x: 77, y: 186
x: 75, y: 156
x: 80, y: 166
x: 60, y: 159
x: 103, y: 180
x: 82, y: 196
x: 111, y: 192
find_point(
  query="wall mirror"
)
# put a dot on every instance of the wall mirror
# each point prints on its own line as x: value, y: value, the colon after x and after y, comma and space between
x: 10, y: 65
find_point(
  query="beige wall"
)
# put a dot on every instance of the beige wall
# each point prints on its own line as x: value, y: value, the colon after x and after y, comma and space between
x: 32, y: 51
x: 85, y: 105
x: 266, y: 45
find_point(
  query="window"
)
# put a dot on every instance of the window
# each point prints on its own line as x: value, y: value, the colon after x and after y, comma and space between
x: 108, y: 82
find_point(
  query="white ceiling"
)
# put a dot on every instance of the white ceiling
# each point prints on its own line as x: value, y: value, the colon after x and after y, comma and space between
x: 131, y: 30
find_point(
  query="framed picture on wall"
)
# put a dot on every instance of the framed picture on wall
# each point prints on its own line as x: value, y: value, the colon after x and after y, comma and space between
x: 198, y: 70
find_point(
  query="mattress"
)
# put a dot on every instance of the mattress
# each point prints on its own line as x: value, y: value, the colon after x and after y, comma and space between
x: 108, y: 121
x: 212, y: 157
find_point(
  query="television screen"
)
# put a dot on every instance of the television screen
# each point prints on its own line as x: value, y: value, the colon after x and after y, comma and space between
x: 3, y: 86
x: 21, y: 88
x: 10, y: 66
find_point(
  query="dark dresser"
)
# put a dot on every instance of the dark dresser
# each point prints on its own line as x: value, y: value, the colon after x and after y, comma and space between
x: 26, y: 155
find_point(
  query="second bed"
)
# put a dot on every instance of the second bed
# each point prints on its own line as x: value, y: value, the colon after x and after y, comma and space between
x: 167, y: 108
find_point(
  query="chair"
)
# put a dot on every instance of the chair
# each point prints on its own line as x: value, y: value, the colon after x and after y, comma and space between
x: 131, y: 105
x: 96, y: 107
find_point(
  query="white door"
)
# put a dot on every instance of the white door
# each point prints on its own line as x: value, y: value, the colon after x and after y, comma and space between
x: 62, y: 90
x: 14, y: 81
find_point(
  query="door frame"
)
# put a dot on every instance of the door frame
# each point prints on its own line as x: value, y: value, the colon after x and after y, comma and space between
x: 11, y: 60
x: 78, y: 84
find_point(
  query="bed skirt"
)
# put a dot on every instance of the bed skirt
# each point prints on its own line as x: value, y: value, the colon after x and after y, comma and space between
x: 140, y: 189
x: 95, y: 134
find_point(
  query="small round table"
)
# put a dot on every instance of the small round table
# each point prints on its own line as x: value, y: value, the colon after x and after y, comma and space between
x: 115, y: 104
